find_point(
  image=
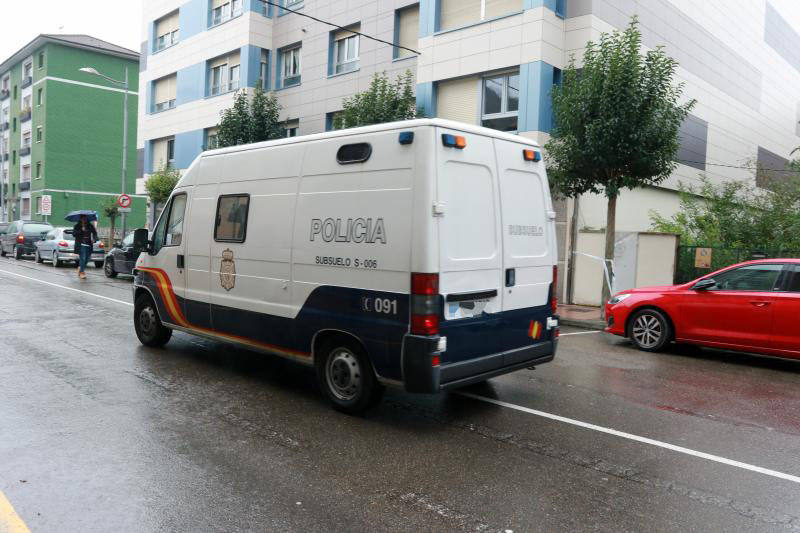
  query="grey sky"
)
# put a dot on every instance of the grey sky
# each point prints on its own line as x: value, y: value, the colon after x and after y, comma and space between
x: 115, y: 21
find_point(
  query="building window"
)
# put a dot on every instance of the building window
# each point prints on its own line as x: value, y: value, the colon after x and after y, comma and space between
x: 406, y: 31
x: 330, y: 120
x: 345, y: 52
x: 290, y: 60
x: 500, y: 106
x: 164, y: 93
x: 41, y: 59
x: 13, y: 157
x: 14, y: 124
x: 292, y: 3
x: 26, y: 173
x: 166, y: 31
x: 5, y: 83
x: 39, y: 134
x: 38, y: 170
x: 264, y: 72
x: 223, y: 11
x: 291, y: 127
x: 26, y: 139
x: 212, y: 139
x: 26, y: 208
x: 459, y: 13
x: 171, y: 153
x: 26, y: 103
x: 224, y: 76
x: 27, y: 71
x: 39, y: 97
x: 38, y: 205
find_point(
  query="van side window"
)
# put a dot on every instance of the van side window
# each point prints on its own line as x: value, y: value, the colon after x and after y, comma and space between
x: 174, y: 234
x: 158, y: 233
x: 353, y: 153
x: 231, y: 221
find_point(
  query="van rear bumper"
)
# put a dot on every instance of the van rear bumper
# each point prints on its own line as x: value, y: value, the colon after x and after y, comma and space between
x: 419, y: 374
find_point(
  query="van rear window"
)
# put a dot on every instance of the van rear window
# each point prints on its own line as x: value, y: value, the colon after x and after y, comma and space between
x: 353, y: 153
x: 231, y: 222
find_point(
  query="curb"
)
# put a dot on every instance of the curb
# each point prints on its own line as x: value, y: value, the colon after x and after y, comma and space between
x: 583, y: 324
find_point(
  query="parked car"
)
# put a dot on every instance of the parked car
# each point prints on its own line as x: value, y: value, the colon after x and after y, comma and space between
x: 58, y: 247
x: 749, y: 307
x: 121, y: 258
x: 21, y: 237
x: 3, y: 228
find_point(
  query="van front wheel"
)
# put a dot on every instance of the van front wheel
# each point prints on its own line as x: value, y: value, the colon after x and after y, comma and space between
x: 149, y: 329
x: 345, y: 374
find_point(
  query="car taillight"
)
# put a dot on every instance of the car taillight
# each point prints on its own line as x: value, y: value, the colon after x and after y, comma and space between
x: 424, y: 304
x: 63, y: 244
x: 554, y: 290
x: 20, y: 238
x: 100, y: 244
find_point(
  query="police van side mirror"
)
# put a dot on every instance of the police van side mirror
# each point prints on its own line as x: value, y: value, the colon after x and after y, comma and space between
x: 140, y: 241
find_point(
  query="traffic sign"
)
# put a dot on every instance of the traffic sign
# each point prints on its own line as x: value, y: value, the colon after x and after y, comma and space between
x: 47, y: 205
x: 124, y: 200
x: 124, y: 209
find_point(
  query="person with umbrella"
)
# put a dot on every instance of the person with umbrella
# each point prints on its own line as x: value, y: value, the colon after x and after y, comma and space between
x: 85, y: 236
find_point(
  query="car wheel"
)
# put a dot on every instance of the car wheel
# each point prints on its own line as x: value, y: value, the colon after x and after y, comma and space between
x: 38, y: 257
x: 108, y: 268
x: 650, y: 330
x: 56, y: 261
x: 98, y: 264
x: 149, y: 329
x: 345, y: 374
x: 17, y: 253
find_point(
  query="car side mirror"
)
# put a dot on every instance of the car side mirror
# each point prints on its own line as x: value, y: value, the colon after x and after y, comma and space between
x: 140, y: 241
x: 67, y: 232
x: 704, y: 284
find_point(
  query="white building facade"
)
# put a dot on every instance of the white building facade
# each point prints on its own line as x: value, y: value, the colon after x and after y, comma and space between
x: 490, y: 62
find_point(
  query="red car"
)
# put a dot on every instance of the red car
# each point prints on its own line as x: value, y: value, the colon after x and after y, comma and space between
x: 749, y: 307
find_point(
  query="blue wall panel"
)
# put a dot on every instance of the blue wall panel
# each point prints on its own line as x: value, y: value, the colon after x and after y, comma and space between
x: 193, y: 18
x: 191, y: 84
x: 535, y: 105
x: 250, y: 65
x: 188, y: 146
x: 426, y: 99
x: 429, y: 17
x: 148, y: 157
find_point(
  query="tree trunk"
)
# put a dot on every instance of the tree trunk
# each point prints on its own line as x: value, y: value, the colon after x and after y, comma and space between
x: 111, y: 237
x: 611, y: 228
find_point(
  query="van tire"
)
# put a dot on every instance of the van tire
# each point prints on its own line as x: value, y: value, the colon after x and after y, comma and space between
x: 345, y: 375
x: 149, y: 329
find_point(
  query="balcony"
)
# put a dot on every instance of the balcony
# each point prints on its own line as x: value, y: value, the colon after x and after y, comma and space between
x: 27, y: 82
x: 224, y: 88
x: 25, y: 115
x: 163, y: 106
x: 5, y: 156
x: 3, y: 126
x: 25, y: 150
x: 24, y: 186
x: 4, y: 93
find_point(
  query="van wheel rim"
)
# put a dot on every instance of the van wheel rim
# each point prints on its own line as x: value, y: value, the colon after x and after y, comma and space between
x: 147, y: 321
x: 343, y: 374
x: 647, y: 331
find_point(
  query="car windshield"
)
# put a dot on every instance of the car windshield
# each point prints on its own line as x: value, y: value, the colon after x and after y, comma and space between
x: 36, y: 228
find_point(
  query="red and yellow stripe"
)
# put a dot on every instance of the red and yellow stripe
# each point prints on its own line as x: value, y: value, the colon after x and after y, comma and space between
x: 535, y: 329
x: 177, y: 317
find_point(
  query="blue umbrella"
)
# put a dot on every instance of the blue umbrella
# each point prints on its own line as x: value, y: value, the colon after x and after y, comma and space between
x: 75, y: 216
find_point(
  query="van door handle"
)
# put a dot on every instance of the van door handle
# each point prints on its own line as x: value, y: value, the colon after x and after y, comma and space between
x: 180, y: 261
x: 511, y: 277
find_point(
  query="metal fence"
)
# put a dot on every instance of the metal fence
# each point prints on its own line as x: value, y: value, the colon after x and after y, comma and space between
x: 691, y: 263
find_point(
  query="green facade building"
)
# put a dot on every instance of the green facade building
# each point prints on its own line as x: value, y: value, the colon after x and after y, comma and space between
x: 61, y: 129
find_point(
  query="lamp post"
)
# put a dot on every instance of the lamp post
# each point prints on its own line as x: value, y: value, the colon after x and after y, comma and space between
x: 124, y: 85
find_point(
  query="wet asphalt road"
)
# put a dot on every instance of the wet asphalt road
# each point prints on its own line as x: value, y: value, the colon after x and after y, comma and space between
x: 98, y: 433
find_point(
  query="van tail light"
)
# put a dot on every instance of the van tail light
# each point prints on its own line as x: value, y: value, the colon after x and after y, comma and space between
x: 20, y: 238
x: 63, y: 244
x: 425, y: 304
x: 554, y: 290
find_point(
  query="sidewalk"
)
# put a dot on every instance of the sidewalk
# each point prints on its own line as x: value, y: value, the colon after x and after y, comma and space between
x: 580, y: 316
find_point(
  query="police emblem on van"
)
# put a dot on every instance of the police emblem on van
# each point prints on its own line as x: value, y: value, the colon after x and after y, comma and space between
x: 227, y: 270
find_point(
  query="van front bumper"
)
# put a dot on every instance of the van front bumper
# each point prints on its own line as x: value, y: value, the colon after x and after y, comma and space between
x: 419, y: 374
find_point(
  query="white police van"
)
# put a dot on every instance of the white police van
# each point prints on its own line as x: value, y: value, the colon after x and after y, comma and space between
x: 419, y: 254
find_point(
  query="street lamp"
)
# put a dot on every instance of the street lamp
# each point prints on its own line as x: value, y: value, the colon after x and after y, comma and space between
x: 124, y: 84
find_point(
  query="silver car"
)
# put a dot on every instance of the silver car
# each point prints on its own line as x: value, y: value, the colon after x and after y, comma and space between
x: 58, y: 247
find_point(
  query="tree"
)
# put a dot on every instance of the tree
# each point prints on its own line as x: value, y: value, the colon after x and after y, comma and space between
x: 250, y: 121
x: 110, y: 210
x: 159, y: 186
x: 737, y: 215
x: 616, y: 122
x: 384, y: 101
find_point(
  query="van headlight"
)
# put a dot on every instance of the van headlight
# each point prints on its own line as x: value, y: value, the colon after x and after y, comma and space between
x: 618, y: 298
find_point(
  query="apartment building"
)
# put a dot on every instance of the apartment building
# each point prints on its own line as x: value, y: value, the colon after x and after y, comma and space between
x: 61, y: 130
x: 489, y: 62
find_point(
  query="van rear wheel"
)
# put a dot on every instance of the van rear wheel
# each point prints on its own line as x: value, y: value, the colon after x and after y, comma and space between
x: 149, y: 329
x: 345, y: 374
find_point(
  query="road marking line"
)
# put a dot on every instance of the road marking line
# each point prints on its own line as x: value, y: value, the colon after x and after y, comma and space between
x: 10, y: 522
x: 637, y: 438
x: 68, y: 288
x: 578, y: 333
